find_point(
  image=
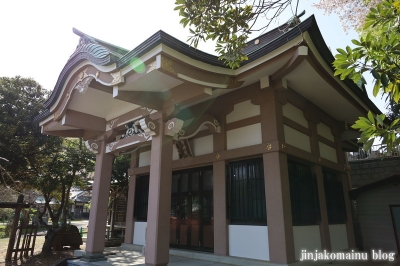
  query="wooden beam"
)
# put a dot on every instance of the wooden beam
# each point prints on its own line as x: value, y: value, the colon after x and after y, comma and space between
x: 150, y: 100
x: 83, y: 121
x: 75, y: 133
x: 185, y: 94
x: 298, y: 56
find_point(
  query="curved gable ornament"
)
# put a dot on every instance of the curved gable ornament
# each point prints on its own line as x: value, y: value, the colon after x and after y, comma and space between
x: 88, y: 48
x: 83, y: 85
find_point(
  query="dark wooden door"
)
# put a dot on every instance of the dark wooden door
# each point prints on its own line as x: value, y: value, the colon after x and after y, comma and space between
x: 191, y: 220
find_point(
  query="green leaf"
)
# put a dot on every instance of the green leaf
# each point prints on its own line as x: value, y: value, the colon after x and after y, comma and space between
x: 380, y: 118
x: 368, y: 145
x: 384, y: 80
x: 371, y: 117
x: 377, y: 87
x: 346, y: 73
x: 356, y: 42
x: 343, y: 52
x: 375, y: 74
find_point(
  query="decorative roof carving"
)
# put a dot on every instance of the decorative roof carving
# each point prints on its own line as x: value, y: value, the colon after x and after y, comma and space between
x: 88, y: 48
x: 92, y: 146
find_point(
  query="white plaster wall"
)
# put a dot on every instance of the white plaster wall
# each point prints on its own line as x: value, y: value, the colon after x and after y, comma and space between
x: 327, y: 152
x: 144, y: 158
x: 175, y: 154
x: 203, y: 145
x: 248, y: 241
x: 306, y: 237
x: 244, y: 136
x: 338, y: 235
x: 325, y: 131
x: 139, y: 234
x: 292, y: 112
x: 243, y: 110
x: 297, y: 138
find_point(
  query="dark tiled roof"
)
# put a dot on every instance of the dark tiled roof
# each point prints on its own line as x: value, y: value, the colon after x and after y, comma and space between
x: 164, y: 38
x: 267, y: 43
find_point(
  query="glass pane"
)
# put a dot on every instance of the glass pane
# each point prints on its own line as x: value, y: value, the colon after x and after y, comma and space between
x: 175, y: 183
x: 207, y: 207
x: 184, y: 208
x: 195, y: 207
x: 173, y: 206
x: 208, y: 180
x: 195, y: 181
x: 184, y: 182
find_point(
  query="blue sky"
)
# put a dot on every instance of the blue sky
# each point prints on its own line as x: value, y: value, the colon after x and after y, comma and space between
x: 37, y: 37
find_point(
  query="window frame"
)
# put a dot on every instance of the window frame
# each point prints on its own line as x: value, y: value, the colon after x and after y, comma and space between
x: 246, y: 203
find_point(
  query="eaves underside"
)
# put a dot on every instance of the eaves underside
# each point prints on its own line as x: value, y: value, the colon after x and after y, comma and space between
x: 255, y: 52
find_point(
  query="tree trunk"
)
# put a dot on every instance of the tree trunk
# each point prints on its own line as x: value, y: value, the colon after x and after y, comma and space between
x: 46, y: 248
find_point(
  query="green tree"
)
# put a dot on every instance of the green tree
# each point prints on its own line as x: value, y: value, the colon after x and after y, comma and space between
x: 120, y: 175
x: 229, y: 22
x: 378, y: 54
x: 119, y: 179
x: 21, y: 142
x: 66, y: 168
x: 31, y: 160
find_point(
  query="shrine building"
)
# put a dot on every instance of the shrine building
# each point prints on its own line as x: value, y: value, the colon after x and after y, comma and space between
x: 247, y: 163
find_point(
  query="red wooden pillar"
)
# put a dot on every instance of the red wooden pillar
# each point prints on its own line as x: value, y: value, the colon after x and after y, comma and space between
x: 159, y: 206
x: 99, y: 205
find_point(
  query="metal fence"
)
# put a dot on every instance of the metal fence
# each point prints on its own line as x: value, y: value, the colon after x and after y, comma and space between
x: 376, y: 151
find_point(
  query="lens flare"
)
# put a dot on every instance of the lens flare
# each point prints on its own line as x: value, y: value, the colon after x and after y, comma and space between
x: 137, y: 65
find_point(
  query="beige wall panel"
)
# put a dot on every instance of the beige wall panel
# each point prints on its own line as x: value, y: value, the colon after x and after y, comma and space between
x: 297, y: 139
x: 325, y: 131
x: 249, y: 242
x: 327, y: 152
x: 139, y: 235
x: 244, y: 136
x: 242, y: 111
x: 144, y: 158
x: 292, y: 112
x: 203, y: 145
x: 338, y: 235
x: 306, y: 238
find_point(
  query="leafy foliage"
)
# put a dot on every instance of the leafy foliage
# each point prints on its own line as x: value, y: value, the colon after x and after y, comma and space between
x: 31, y: 160
x: 120, y: 177
x: 229, y: 22
x: 66, y: 168
x: 21, y: 142
x: 69, y: 167
x: 380, y: 55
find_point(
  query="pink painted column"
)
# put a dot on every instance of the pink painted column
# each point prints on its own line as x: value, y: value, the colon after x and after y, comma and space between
x: 317, y: 169
x: 276, y: 180
x: 324, y: 224
x: 221, y: 243
x: 158, y: 216
x: 130, y: 220
x: 221, y: 234
x: 99, y: 205
x: 279, y: 215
